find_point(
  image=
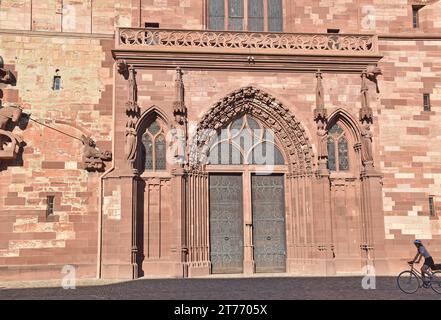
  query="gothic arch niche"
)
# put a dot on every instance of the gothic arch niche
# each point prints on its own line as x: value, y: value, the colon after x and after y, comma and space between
x: 341, y: 126
x: 154, y: 193
x: 344, y: 164
x: 245, y: 141
x: 295, y: 147
x: 268, y: 110
x: 152, y: 130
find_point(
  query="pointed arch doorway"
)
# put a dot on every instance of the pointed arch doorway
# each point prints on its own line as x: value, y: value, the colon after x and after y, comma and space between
x: 246, y: 199
x: 254, y: 161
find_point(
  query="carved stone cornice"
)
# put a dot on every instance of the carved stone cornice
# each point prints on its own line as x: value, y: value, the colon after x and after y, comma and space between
x: 287, y: 63
x: 245, y: 42
x: 281, y: 52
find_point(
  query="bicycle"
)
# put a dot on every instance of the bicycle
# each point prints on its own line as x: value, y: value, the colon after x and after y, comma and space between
x: 409, y: 281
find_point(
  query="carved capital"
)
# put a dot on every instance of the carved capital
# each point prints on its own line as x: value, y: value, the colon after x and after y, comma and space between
x: 132, y: 109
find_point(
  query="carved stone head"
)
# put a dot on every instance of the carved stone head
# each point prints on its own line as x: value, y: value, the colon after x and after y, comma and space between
x: 372, y: 72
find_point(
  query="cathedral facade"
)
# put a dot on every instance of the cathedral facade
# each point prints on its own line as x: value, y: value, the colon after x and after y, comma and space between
x: 186, y: 138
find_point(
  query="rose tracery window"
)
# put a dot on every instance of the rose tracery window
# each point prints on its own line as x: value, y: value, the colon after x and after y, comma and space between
x: 245, y: 141
x: 245, y: 15
x: 338, y: 159
x: 154, y: 150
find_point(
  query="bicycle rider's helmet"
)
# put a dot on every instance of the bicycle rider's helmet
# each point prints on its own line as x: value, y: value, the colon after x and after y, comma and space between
x: 417, y: 241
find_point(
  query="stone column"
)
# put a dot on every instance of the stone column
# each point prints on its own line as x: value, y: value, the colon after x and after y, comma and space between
x: 373, y: 236
x: 197, y: 236
x: 120, y: 257
x: 179, y: 204
x: 322, y: 191
x: 248, y: 263
x: 120, y: 253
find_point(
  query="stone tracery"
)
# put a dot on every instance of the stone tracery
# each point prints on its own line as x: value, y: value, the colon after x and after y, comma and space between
x: 266, y: 108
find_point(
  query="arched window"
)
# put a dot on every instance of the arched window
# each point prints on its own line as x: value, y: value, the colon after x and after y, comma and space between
x: 154, y: 151
x: 338, y: 158
x: 245, y: 141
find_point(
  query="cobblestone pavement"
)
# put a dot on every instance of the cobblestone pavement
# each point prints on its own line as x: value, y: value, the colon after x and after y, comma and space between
x: 226, y: 289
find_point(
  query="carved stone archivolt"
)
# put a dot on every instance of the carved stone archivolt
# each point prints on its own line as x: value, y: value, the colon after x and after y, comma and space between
x: 266, y: 108
x: 93, y: 158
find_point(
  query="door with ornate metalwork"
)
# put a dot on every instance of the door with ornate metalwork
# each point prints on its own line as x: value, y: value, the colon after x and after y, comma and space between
x: 268, y: 203
x: 226, y: 223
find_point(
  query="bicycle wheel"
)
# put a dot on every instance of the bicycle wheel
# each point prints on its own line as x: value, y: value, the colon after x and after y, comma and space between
x: 436, y: 281
x: 408, y: 282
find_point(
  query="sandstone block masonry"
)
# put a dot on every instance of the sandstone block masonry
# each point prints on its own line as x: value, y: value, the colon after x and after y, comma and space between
x: 74, y: 40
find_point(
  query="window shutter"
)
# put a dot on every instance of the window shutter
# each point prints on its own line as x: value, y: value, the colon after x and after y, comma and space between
x: 275, y: 16
x: 235, y: 15
x: 216, y: 15
x: 255, y: 15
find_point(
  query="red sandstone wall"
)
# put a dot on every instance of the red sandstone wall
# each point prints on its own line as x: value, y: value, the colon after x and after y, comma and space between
x: 406, y: 139
x: 52, y: 161
x: 300, y: 16
x: 410, y: 144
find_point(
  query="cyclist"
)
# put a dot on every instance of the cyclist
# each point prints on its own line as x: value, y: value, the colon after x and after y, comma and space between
x: 428, y: 260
